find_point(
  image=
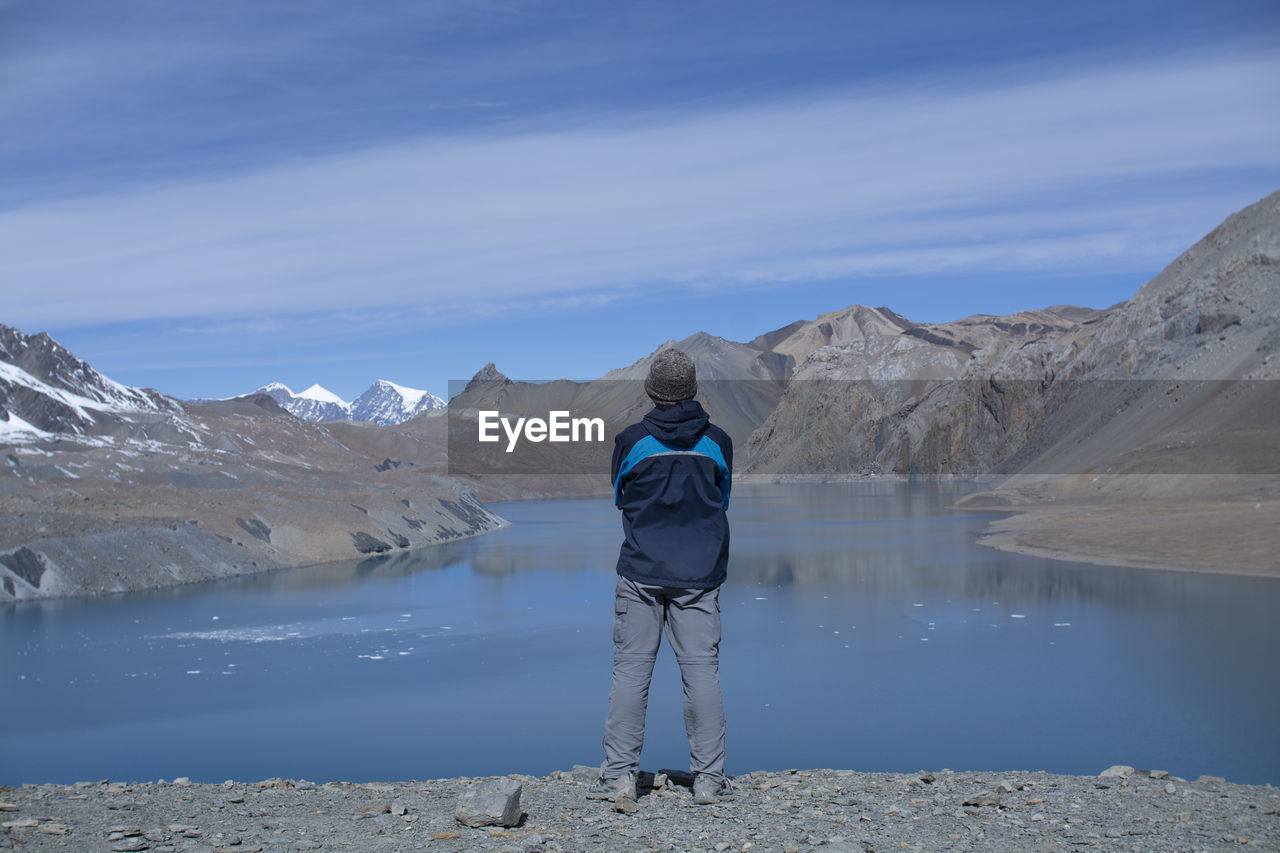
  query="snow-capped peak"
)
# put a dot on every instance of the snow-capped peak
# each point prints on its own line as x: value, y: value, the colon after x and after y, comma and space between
x: 410, y: 395
x: 384, y: 403
x: 315, y: 404
x: 388, y: 403
x: 275, y: 386
x: 322, y: 395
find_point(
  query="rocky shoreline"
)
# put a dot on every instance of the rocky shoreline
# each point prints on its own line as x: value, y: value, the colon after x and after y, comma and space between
x: 247, y: 494
x: 833, y: 811
x: 1214, y: 524
x: 1222, y: 537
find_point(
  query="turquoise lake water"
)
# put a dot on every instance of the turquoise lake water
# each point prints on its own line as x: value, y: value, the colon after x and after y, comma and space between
x: 863, y: 629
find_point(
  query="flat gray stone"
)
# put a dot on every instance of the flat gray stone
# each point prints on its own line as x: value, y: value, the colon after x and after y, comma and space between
x: 492, y: 803
x: 982, y: 798
x: 1118, y: 771
x: 131, y: 845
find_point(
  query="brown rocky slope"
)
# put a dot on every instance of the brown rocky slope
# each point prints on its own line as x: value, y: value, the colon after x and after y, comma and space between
x: 1146, y: 435
x: 161, y: 498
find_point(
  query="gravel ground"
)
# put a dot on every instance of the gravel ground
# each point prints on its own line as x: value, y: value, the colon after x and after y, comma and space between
x: 837, y: 811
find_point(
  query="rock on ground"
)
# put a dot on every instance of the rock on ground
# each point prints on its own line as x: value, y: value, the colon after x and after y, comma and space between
x: 491, y: 803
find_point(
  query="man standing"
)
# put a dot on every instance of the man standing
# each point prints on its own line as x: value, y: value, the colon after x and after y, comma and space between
x: 671, y: 478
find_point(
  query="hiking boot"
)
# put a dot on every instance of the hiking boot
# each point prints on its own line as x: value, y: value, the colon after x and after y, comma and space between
x: 710, y: 789
x: 619, y: 788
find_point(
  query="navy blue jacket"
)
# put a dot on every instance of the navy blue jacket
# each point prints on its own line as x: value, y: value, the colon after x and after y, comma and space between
x: 671, y: 478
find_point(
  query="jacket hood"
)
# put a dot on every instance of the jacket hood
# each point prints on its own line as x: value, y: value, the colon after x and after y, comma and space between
x: 682, y: 424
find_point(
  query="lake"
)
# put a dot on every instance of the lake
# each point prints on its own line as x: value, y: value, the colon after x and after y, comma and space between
x: 863, y: 629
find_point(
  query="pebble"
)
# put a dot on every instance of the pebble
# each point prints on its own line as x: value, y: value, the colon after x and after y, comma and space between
x: 799, y: 811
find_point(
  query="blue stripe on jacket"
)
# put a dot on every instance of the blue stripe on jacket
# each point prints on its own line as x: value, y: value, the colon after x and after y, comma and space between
x: 649, y: 446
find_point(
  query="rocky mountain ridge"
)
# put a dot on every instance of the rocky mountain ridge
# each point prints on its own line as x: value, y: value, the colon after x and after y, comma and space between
x: 45, y: 389
x: 889, y: 396
x: 1062, y: 390
x: 787, y: 417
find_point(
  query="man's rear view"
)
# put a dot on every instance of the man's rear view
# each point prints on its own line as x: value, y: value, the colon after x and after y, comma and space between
x: 671, y: 479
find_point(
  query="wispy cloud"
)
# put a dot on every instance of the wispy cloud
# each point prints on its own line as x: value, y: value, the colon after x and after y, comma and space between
x: 1069, y: 171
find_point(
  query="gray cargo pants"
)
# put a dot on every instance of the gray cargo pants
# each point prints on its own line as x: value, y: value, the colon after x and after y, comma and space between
x: 691, y: 618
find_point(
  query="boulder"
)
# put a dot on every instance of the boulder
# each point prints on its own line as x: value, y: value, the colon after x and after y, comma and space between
x: 492, y: 803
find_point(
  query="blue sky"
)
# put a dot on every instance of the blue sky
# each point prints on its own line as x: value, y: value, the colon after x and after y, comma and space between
x: 205, y: 197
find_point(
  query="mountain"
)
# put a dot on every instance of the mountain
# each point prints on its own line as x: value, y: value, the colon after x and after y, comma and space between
x: 382, y: 403
x: 316, y: 404
x: 1181, y: 379
x: 716, y: 359
x: 1158, y: 419
x: 1163, y: 444
x: 1214, y: 313
x: 855, y: 323
x: 388, y: 403
x: 44, y: 389
x: 106, y: 488
x: 859, y: 323
x: 737, y: 383
x: 886, y: 395
x: 1173, y: 381
x: 860, y: 391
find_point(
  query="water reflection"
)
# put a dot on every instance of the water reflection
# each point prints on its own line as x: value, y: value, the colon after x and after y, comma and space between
x: 863, y: 629
x: 869, y: 537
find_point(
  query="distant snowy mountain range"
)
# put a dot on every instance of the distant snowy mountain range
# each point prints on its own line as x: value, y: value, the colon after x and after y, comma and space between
x: 46, y: 391
x: 384, y: 403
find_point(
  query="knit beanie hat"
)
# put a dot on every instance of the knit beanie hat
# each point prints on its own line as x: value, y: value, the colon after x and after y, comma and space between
x: 672, y: 378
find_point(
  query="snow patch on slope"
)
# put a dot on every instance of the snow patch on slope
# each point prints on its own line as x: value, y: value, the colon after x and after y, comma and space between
x: 15, y: 431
